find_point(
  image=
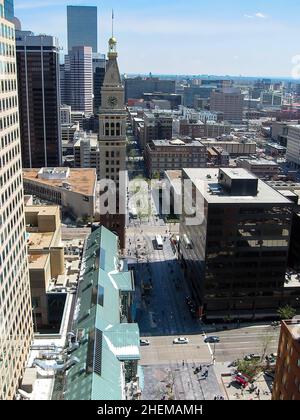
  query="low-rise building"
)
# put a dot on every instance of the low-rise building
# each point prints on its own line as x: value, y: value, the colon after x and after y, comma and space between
x: 107, y: 352
x: 275, y: 149
x: 73, y: 189
x: 162, y: 155
x: 287, y: 378
x: 262, y: 168
x: 46, y: 261
x: 234, y: 148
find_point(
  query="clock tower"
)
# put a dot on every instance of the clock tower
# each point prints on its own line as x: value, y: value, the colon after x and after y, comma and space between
x: 112, y: 139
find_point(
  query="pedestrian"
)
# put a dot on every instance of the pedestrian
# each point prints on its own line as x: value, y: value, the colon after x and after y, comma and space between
x: 200, y: 367
x: 183, y: 363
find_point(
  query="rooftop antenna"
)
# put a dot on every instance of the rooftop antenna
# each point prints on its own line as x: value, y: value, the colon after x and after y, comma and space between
x: 112, y: 22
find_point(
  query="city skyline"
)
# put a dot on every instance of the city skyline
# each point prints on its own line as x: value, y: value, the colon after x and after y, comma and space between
x: 247, y: 38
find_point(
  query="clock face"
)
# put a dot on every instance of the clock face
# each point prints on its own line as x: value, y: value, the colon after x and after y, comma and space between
x: 112, y: 101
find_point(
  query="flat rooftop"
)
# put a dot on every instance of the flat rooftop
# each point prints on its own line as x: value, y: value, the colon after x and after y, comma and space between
x: 37, y: 240
x: 37, y: 261
x: 43, y: 210
x: 177, y: 143
x: 81, y: 181
x: 207, y: 182
x: 260, y: 162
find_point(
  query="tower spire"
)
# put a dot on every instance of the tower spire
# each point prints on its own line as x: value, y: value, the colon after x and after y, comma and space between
x: 112, y: 22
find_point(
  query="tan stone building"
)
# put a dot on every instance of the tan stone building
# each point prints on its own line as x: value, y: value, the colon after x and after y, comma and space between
x: 73, y: 189
x: 16, y: 330
x: 46, y: 255
x: 112, y: 138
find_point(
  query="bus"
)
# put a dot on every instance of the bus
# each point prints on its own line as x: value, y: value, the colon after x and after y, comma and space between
x: 159, y: 242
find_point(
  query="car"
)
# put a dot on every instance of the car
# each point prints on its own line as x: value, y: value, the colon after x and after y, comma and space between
x: 252, y: 356
x: 233, y: 364
x: 241, y: 379
x: 212, y: 339
x: 181, y: 340
x: 144, y: 343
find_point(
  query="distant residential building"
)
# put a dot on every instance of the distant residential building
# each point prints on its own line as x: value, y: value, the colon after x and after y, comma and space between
x: 262, y: 168
x: 233, y: 147
x: 68, y: 132
x: 39, y: 99
x: 108, y: 352
x: 79, y: 79
x: 271, y: 99
x: 78, y: 117
x: 193, y: 93
x: 280, y: 131
x: 65, y: 114
x: 172, y: 100
x: 72, y: 189
x: 156, y: 126
x: 46, y: 260
x: 275, y: 149
x: 229, y: 101
x: 136, y: 87
x: 86, y: 151
x: 217, y: 156
x: 293, y: 145
x: 163, y: 155
x: 82, y: 24
x: 235, y: 265
x: 287, y: 381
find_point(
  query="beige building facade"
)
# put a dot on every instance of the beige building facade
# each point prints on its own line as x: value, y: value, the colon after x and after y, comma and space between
x: 16, y: 328
x: 46, y: 255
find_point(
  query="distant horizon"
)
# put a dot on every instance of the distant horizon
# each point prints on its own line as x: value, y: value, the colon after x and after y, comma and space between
x: 214, y: 76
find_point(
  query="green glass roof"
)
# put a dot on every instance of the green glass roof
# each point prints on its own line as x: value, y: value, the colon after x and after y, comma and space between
x: 98, y: 308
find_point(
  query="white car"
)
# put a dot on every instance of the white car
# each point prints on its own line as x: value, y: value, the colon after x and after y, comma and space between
x: 144, y: 343
x: 181, y: 340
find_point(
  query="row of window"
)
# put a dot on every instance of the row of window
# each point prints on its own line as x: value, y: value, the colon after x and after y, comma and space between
x: 7, y: 50
x: 7, y: 32
x: 8, y: 86
x: 10, y: 137
x: 9, y: 120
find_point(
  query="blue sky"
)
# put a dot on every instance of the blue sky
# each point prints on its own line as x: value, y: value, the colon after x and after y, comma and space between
x: 234, y: 37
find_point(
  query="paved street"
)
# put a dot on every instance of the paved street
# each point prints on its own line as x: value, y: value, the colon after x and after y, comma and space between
x: 162, y: 315
x: 237, y: 343
x: 180, y: 383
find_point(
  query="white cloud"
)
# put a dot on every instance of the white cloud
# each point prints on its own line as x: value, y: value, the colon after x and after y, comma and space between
x: 258, y: 15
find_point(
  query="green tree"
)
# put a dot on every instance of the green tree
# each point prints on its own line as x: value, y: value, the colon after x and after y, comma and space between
x: 286, y: 312
x: 249, y: 367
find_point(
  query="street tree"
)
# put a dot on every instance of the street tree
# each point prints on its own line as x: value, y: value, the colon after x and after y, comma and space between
x: 286, y: 312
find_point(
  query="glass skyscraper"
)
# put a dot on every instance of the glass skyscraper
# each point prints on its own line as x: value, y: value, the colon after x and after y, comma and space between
x: 82, y: 27
x: 9, y: 9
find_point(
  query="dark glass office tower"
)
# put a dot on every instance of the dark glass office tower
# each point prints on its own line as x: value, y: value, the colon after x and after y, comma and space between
x: 39, y: 99
x: 235, y: 256
x: 82, y: 27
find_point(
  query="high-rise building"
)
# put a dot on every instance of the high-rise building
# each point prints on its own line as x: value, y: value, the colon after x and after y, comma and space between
x: 287, y: 379
x: 112, y: 137
x: 293, y: 145
x: 230, y: 101
x: 79, y: 79
x: 9, y: 9
x: 82, y: 27
x: 235, y: 250
x: 15, y: 302
x: 99, y: 66
x: 136, y: 87
x: 39, y: 99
